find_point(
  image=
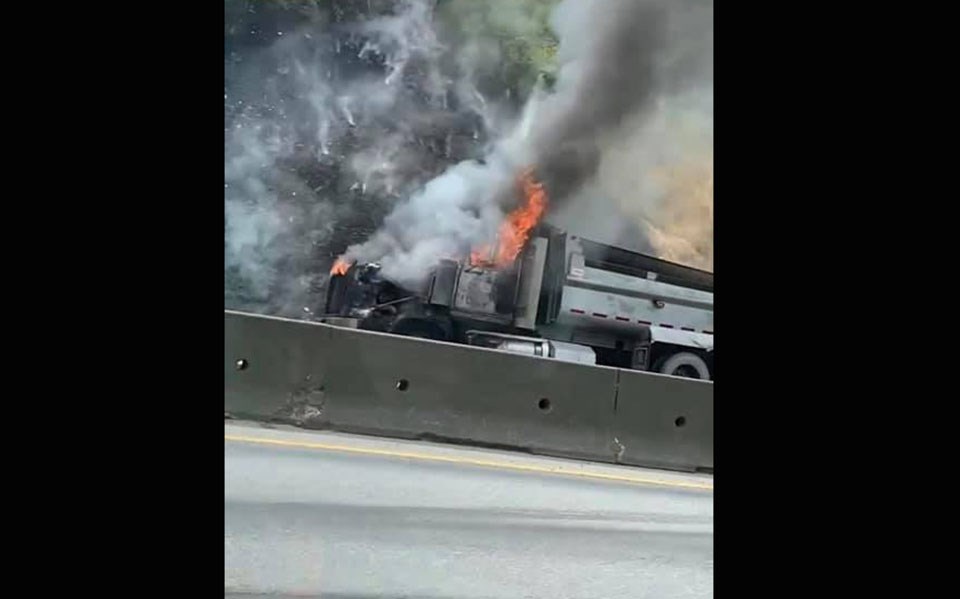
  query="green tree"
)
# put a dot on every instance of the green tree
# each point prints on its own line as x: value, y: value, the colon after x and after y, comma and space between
x: 520, y: 30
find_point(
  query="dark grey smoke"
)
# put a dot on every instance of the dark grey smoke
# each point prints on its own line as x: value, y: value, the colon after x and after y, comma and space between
x: 617, y: 59
x: 609, y: 50
x: 358, y: 124
x: 656, y: 167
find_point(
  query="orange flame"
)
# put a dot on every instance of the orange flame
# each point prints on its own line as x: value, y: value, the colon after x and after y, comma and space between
x: 340, y: 267
x: 515, y: 229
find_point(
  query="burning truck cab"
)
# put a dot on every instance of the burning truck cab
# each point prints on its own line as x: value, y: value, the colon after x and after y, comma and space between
x: 562, y: 297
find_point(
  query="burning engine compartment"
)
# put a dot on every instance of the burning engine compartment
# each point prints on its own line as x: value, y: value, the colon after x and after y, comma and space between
x: 455, y: 297
x: 477, y: 289
x: 539, y: 291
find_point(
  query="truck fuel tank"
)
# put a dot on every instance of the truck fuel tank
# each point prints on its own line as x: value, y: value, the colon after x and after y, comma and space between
x: 533, y: 346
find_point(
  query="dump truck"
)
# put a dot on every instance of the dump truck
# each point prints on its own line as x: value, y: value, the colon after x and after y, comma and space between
x: 564, y: 298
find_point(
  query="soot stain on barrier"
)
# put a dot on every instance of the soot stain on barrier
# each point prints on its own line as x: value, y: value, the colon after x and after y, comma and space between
x: 304, y: 405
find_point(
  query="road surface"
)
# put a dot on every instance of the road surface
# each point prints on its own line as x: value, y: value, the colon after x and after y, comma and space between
x: 343, y: 516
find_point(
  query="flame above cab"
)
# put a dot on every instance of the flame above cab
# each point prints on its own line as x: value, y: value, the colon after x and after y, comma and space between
x: 515, y: 229
x: 513, y: 233
x: 340, y: 267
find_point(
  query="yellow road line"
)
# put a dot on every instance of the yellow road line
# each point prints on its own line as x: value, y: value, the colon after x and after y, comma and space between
x: 556, y: 470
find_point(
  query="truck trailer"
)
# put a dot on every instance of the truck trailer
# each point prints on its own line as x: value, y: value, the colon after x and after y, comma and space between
x: 564, y: 298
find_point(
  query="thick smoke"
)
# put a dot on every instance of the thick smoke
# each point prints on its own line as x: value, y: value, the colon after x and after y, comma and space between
x: 608, y: 53
x: 620, y: 62
x: 653, y: 188
x: 658, y: 167
x: 369, y: 124
x: 331, y: 122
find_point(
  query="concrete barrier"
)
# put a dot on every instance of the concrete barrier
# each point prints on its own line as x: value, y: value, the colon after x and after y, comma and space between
x: 319, y: 376
x: 664, y: 421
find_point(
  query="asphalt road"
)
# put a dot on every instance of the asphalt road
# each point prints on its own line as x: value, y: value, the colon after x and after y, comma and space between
x: 342, y: 516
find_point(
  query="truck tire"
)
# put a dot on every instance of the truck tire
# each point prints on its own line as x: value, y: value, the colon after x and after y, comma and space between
x: 685, y: 364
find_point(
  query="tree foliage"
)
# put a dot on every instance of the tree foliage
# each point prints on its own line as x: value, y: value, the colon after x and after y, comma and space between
x: 520, y: 31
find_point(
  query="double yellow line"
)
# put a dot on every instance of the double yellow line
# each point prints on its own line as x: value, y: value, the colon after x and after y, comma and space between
x: 558, y: 470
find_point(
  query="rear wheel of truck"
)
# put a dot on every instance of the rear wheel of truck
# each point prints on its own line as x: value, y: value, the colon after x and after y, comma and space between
x: 686, y: 365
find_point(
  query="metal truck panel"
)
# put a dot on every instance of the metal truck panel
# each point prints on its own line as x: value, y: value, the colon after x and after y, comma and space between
x: 528, y: 346
x: 587, y: 308
x: 601, y: 280
x: 571, y: 352
x: 533, y: 346
x: 614, y: 259
x: 680, y: 337
x: 443, y: 283
x: 475, y: 291
x: 528, y: 297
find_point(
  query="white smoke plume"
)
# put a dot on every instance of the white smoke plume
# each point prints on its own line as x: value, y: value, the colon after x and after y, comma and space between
x: 344, y: 132
x: 620, y: 62
x: 328, y: 126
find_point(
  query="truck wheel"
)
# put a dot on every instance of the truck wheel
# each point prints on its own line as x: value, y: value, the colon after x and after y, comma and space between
x: 685, y: 364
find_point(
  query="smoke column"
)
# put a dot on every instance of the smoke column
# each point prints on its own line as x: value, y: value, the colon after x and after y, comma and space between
x: 372, y: 130
x: 328, y: 124
x: 620, y: 62
x: 653, y: 187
